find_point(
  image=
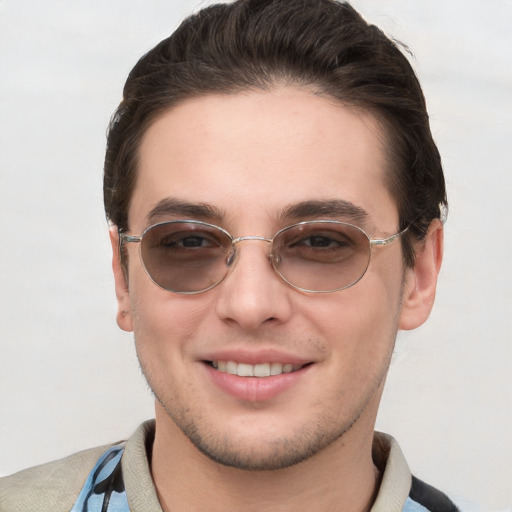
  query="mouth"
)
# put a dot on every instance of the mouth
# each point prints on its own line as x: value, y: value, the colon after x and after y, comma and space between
x: 255, y: 377
x: 260, y: 370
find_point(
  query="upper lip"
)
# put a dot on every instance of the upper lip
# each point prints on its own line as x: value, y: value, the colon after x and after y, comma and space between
x: 255, y: 357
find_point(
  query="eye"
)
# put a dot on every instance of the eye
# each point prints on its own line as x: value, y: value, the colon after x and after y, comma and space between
x: 322, y: 242
x: 321, y: 239
x: 194, y: 241
x: 187, y: 240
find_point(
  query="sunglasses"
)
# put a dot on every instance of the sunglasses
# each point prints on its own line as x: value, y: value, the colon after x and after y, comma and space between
x: 319, y: 256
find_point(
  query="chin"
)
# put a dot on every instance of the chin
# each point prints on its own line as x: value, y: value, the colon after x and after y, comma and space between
x: 264, y: 450
x: 273, y: 455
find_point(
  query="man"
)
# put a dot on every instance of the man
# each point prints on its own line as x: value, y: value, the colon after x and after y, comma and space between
x: 275, y: 199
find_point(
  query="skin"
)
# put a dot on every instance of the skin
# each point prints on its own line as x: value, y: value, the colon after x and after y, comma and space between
x: 249, y: 156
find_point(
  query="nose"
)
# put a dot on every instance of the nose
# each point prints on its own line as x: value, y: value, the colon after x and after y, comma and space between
x: 253, y: 294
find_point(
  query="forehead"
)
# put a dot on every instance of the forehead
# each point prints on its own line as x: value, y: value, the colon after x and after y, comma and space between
x: 258, y: 152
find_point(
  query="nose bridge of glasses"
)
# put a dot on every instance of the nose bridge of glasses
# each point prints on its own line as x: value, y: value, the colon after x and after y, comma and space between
x: 244, y: 238
x: 234, y: 244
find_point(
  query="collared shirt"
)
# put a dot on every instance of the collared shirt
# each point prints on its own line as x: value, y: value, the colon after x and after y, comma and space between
x: 117, y: 478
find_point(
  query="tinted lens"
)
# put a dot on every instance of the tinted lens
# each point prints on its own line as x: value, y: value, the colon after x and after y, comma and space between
x: 321, y: 256
x: 185, y: 257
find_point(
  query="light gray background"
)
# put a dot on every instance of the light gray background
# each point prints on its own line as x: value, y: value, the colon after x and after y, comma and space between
x: 69, y: 378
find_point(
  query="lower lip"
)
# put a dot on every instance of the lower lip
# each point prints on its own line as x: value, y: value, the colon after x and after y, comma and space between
x: 255, y: 389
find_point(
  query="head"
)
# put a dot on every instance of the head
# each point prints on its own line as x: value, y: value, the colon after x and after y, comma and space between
x: 252, y: 116
x: 254, y: 44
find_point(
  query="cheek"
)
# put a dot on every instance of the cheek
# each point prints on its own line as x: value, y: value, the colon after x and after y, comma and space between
x: 360, y: 322
x: 163, y: 322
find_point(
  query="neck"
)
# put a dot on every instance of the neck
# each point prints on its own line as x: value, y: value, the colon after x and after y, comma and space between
x: 340, y: 477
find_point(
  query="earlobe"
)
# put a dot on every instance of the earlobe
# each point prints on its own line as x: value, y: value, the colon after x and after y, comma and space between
x: 124, y: 317
x: 421, y: 280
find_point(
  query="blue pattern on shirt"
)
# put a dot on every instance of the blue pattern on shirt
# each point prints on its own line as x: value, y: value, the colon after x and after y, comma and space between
x: 104, y: 490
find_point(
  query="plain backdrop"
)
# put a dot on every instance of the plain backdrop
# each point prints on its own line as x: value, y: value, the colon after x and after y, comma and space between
x: 69, y: 378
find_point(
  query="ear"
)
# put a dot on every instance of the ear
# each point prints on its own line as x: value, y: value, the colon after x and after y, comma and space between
x: 421, y: 280
x: 124, y: 316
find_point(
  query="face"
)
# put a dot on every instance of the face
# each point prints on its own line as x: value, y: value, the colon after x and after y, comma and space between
x: 255, y: 159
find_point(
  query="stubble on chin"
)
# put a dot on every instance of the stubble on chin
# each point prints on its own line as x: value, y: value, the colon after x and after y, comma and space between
x: 269, y: 453
x: 250, y: 455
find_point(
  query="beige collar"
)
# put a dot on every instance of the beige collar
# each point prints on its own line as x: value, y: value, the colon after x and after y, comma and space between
x: 142, y: 497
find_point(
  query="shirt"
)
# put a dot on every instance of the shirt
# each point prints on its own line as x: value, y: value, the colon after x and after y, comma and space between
x: 117, y: 478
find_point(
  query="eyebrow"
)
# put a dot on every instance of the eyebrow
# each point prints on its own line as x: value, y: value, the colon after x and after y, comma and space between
x: 172, y: 207
x: 305, y: 210
x: 324, y: 208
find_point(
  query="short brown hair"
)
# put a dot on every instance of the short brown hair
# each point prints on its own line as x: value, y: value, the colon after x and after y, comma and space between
x: 254, y: 44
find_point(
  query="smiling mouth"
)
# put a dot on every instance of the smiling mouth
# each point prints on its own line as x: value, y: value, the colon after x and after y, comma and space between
x: 254, y: 370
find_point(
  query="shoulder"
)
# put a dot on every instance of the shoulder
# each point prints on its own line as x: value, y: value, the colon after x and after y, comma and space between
x: 53, y: 486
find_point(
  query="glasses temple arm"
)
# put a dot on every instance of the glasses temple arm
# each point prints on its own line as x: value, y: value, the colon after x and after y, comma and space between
x: 392, y: 238
x: 125, y: 239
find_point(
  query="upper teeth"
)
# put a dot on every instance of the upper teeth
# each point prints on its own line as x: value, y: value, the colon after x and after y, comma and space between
x: 255, y: 370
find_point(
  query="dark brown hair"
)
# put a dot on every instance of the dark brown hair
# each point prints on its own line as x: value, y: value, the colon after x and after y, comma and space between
x: 255, y: 44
